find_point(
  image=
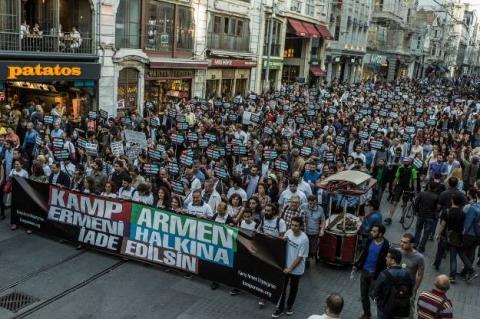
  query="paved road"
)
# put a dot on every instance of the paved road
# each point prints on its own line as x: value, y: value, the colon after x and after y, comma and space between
x: 70, y: 283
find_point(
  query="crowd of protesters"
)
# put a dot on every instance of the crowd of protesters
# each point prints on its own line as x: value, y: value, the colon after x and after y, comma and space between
x: 257, y: 161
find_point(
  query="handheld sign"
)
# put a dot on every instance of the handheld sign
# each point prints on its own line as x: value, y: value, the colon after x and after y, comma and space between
x: 47, y: 119
x: 270, y: 154
x: 192, y: 137
x: 182, y: 126
x: 177, y: 139
x: 410, y: 130
x: 186, y: 160
x: 57, y: 143
x: 91, y: 149
x: 117, y: 148
x: 268, y: 130
x: 178, y: 187
x: 298, y: 141
x: 281, y: 165
x: 61, y: 155
x: 155, y: 122
x: 377, y: 144
x: 307, y: 133
x: 172, y: 168
x: 213, y: 154
x: 203, y: 143
x: 151, y: 169
x: 239, y: 149
x: 417, y: 163
x: 340, y: 140
x: 329, y: 156
x: 306, y: 151
x: 155, y: 154
x: 232, y: 117
x: 103, y: 114
x: 92, y: 115
x: 220, y: 172
x: 363, y: 135
x: 211, y: 137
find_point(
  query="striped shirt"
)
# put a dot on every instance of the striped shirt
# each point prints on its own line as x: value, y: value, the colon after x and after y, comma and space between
x: 434, y: 304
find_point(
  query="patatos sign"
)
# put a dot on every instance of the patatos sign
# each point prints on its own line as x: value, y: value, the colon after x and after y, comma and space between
x: 48, y: 71
x: 38, y: 70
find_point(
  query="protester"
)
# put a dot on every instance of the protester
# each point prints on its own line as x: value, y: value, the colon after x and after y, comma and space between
x: 333, y: 307
x: 371, y: 262
x: 394, y: 289
x: 414, y: 263
x: 314, y: 226
x: 297, y: 252
x: 434, y: 304
x: 426, y: 207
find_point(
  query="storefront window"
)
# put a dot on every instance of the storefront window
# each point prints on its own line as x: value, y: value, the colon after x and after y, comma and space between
x: 128, y: 87
x: 227, y: 88
x: 276, y: 29
x: 228, y: 33
x: 127, y: 25
x: 290, y: 73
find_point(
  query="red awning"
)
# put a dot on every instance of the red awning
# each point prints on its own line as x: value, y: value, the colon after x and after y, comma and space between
x: 312, y: 32
x: 317, y: 71
x: 298, y: 27
x: 324, y: 33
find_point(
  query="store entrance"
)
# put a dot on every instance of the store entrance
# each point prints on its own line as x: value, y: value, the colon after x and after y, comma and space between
x: 76, y: 98
x: 164, y: 91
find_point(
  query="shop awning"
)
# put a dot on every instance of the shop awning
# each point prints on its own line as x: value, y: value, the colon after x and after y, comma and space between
x: 298, y: 27
x: 312, y: 31
x: 317, y: 71
x: 324, y: 33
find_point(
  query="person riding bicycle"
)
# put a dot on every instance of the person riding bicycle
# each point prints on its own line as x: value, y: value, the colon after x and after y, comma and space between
x: 404, y: 185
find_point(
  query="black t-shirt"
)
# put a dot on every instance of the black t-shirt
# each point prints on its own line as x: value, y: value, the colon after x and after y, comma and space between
x: 454, y: 218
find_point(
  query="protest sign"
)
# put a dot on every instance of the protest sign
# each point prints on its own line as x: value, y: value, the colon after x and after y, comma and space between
x: 239, y: 150
x: 220, y: 172
x: 377, y: 144
x: 182, y: 126
x: 203, y: 143
x: 281, y: 165
x: 268, y: 130
x: 117, y: 148
x: 417, y: 163
x: 186, y: 160
x: 151, y: 169
x: 270, y: 154
x: 329, y: 156
x: 103, y: 114
x: 47, y: 119
x: 133, y: 151
x: 172, y: 168
x: 177, y: 139
x: 213, y: 154
x: 91, y: 149
x: 340, y: 140
x: 155, y: 154
x: 58, y: 143
x: 61, y: 154
x: 92, y: 115
x: 192, y: 137
x: 135, y: 137
x: 217, y: 252
x: 306, y: 151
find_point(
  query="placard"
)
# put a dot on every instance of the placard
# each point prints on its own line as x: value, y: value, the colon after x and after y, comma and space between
x: 374, y: 126
x: 210, y: 137
x: 186, y: 160
x: 177, y: 139
x: 340, y: 140
x: 38, y: 140
x: 410, y: 130
x: 103, y: 114
x: 299, y: 119
x: 178, y: 187
x: 364, y: 135
x: 307, y: 133
x: 417, y: 163
x: 203, y: 143
x: 298, y: 141
x: 268, y: 130
x: 117, y: 148
x: 192, y: 137
x: 134, y: 137
x: 172, y: 168
x: 232, y: 117
x: 92, y: 115
x: 155, y: 154
x: 81, y: 141
x: 220, y: 172
x: 270, y: 154
x: 155, y: 122
x: 57, y: 143
x: 61, y: 154
x: 239, y: 150
x: 281, y: 165
x: 91, y: 149
x: 48, y: 119
x: 182, y: 126
x: 329, y: 156
x: 151, y: 169
x: 377, y: 144
x: 213, y: 154
x: 306, y: 151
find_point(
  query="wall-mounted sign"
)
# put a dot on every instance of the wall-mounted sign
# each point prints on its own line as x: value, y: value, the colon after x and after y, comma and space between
x: 232, y: 63
x: 48, y: 71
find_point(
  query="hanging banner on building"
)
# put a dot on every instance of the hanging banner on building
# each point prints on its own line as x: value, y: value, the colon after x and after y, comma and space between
x: 247, y: 260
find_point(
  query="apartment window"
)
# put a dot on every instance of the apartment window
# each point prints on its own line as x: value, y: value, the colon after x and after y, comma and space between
x: 337, y: 28
x: 293, y: 48
x: 127, y: 24
x: 310, y: 8
x: 166, y: 24
x: 228, y: 33
x: 296, y: 6
x: 276, y: 28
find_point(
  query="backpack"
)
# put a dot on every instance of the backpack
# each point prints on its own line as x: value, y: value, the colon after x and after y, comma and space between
x: 476, y: 221
x: 262, y: 222
x: 404, y: 176
x: 397, y: 301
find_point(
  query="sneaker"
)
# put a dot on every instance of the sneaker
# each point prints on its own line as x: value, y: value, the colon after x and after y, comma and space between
x: 402, y: 220
x: 277, y: 313
x: 187, y: 276
x: 29, y: 231
x: 388, y: 221
x: 261, y: 303
x: 451, y: 279
x: 364, y: 317
x: 471, y: 276
x: 478, y: 262
x: 437, y: 268
x: 234, y: 292
x: 2, y: 217
x: 214, y: 285
x: 289, y: 311
x: 13, y: 227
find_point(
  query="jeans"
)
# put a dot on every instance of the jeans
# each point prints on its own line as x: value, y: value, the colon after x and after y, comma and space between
x: 366, y: 282
x: 470, y: 243
x: 442, y: 247
x: 293, y: 280
x: 425, y: 226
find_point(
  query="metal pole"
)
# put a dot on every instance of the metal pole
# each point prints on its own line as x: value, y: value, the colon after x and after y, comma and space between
x: 269, y: 50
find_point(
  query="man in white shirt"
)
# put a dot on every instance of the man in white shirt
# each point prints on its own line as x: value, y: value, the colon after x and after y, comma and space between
x: 271, y: 224
x: 333, y: 307
x: 291, y: 191
x: 209, y: 195
x: 297, y: 252
x: 237, y: 182
x: 358, y: 153
x: 198, y: 207
x: 126, y: 191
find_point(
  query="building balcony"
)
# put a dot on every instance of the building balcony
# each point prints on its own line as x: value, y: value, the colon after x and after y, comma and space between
x: 15, y: 42
x: 386, y: 17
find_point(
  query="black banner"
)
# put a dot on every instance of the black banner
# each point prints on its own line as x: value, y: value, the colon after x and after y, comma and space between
x: 246, y: 260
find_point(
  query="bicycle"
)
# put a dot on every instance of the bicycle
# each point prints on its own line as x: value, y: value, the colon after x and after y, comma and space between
x: 408, y: 213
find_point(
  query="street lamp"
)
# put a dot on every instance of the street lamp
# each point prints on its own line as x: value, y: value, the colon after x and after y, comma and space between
x: 266, y: 85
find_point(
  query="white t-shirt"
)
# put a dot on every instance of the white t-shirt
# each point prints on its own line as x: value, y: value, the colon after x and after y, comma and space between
x: 297, y: 247
x: 250, y: 226
x: 202, y: 210
x: 148, y: 199
x: 111, y: 195
x: 286, y: 196
x: 23, y: 173
x: 270, y: 226
x: 324, y: 316
x: 126, y: 193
